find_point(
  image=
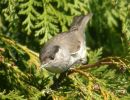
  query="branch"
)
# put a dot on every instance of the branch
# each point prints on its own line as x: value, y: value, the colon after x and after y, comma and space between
x: 106, y: 61
x: 87, y: 75
x: 34, y: 59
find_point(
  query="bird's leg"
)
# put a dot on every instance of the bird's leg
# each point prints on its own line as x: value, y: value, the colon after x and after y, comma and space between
x: 85, y: 61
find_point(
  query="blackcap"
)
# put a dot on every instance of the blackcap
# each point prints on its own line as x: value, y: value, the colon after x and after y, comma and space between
x: 66, y: 49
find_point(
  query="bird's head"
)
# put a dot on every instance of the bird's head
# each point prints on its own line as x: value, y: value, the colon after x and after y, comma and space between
x: 55, y: 59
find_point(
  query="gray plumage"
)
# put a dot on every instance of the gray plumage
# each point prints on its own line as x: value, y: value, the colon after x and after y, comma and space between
x: 67, y: 48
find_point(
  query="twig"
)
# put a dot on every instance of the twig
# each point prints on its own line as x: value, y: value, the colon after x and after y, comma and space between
x: 34, y: 57
x: 105, y: 61
x: 96, y: 65
x: 87, y: 75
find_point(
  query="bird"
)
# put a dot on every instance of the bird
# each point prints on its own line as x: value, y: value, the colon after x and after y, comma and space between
x: 66, y: 49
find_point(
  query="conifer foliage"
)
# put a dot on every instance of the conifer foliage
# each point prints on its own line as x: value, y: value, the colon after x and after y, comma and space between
x: 26, y: 24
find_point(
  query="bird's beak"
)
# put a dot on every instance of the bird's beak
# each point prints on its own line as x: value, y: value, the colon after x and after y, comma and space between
x: 43, y: 65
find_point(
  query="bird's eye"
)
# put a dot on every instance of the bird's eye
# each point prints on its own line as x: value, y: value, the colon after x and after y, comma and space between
x: 51, y: 57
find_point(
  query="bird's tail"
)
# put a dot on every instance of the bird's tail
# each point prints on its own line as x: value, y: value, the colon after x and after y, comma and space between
x: 80, y: 21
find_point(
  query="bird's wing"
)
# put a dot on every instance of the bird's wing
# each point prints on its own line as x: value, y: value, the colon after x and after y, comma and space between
x: 67, y: 40
x: 74, y: 46
x: 71, y: 42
